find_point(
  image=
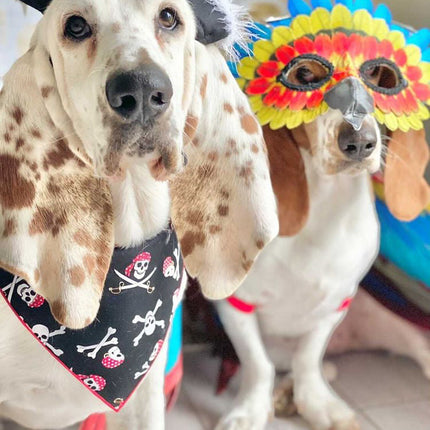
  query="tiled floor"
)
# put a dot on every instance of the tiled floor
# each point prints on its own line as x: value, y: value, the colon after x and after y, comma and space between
x: 388, y: 393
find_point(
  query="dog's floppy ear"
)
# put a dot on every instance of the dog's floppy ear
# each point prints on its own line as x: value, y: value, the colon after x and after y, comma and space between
x: 406, y: 191
x: 56, y: 221
x: 288, y: 177
x: 223, y: 207
x: 40, y: 5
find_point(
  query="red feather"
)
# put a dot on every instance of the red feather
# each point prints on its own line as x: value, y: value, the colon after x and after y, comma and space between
x: 414, y: 73
x: 258, y: 86
x: 285, y: 54
x: 323, y: 45
x: 421, y: 90
x: 315, y: 99
x: 269, y: 69
x: 370, y: 48
x: 298, y: 101
x: 341, y: 43
x: 272, y: 97
x: 285, y: 99
x: 304, y: 45
x: 400, y: 57
x: 386, y: 49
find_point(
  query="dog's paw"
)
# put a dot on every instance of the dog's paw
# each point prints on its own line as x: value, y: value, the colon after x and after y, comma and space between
x: 324, y: 411
x: 246, y: 417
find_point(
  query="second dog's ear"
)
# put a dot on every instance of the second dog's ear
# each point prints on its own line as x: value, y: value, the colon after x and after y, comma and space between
x: 287, y: 172
x: 407, y: 193
x: 40, y: 5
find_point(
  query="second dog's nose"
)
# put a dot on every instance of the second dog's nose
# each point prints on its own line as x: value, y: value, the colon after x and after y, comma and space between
x: 141, y: 94
x: 357, y: 145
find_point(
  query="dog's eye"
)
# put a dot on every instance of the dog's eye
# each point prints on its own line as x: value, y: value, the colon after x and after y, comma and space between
x: 168, y: 19
x: 306, y: 73
x: 383, y: 76
x: 77, y: 28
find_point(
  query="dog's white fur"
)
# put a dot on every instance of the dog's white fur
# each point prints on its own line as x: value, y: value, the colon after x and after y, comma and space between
x: 298, y: 284
x: 35, y: 390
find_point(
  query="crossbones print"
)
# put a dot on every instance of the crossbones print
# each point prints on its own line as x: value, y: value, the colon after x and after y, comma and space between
x: 27, y: 294
x: 138, y: 268
x: 149, y: 323
x: 43, y: 334
x: 144, y: 371
x: 94, y: 349
x: 170, y: 269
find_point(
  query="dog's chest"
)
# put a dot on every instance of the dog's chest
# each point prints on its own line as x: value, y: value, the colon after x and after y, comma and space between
x: 299, y: 280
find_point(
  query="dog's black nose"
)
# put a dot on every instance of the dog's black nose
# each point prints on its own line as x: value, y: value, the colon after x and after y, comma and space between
x: 357, y: 145
x: 141, y: 94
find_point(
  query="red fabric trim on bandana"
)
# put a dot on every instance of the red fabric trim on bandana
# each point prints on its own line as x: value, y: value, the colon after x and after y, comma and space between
x: 240, y: 305
x: 345, y: 304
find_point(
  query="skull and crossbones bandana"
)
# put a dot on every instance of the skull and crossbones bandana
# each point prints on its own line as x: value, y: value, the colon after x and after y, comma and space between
x: 115, y: 353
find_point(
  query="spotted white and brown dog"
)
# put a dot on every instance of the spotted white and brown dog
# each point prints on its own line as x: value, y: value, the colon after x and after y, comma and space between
x: 283, y: 315
x: 94, y: 119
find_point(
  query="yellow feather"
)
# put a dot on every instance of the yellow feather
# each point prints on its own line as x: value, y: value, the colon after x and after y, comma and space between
x: 391, y: 121
x: 397, y: 39
x: 256, y: 103
x: 241, y: 82
x: 425, y: 67
x: 320, y: 20
x: 246, y: 68
x: 309, y: 115
x: 414, y: 54
x: 282, y: 36
x: 380, y: 29
x: 301, y: 26
x: 323, y: 108
x: 379, y: 116
x: 423, y: 112
x: 341, y: 17
x: 379, y: 190
x: 278, y: 121
x: 415, y: 122
x: 295, y: 119
x: 263, y: 50
x: 362, y: 21
x: 403, y: 123
x: 265, y: 115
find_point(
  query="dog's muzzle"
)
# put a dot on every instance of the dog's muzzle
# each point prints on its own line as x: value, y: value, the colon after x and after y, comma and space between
x: 352, y: 99
x: 141, y: 94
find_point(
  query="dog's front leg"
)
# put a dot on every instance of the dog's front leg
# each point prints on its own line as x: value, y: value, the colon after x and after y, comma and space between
x: 253, y: 405
x: 146, y: 409
x: 314, y: 399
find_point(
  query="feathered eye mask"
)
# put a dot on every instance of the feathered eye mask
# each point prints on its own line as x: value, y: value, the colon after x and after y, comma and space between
x: 302, y: 65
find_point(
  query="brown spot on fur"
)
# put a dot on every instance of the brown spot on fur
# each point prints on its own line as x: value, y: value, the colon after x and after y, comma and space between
x: 44, y: 220
x: 15, y: 191
x: 214, y: 229
x: 228, y: 107
x: 190, y: 240
x: 36, y: 275
x: 19, y: 143
x: 254, y: 148
x: 89, y: 263
x: 36, y: 133
x: 224, y: 194
x: 58, y: 157
x: 191, y: 127
x: 46, y: 91
x: 82, y: 238
x: 247, y: 172
x: 77, y: 276
x: 246, y: 264
x: 223, y: 210
x: 259, y: 244
x: 58, y: 311
x: 195, y: 218
x: 18, y: 115
x: 224, y: 78
x: 203, y: 86
x: 10, y: 227
x: 249, y: 124
x: 7, y: 137
x: 213, y: 156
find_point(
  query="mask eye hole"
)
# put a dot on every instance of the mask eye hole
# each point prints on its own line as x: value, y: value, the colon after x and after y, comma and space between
x: 306, y: 73
x: 383, y: 76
